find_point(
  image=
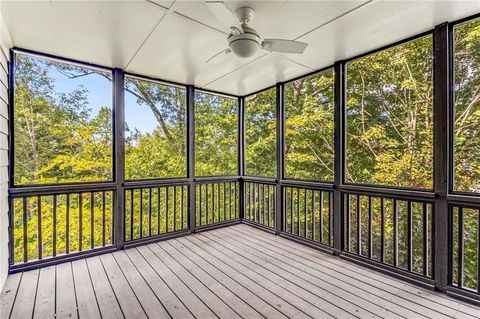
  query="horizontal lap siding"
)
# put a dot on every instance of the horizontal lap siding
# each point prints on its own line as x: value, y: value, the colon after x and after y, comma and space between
x: 4, y: 45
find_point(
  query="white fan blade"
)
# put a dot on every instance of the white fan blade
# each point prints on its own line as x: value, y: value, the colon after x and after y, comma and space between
x: 224, y: 15
x: 284, y: 46
x: 218, y: 56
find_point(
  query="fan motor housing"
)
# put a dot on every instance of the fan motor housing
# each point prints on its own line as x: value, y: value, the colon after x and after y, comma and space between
x: 246, y: 44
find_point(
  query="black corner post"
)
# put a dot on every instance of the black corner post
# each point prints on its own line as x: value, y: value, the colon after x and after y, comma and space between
x: 339, y: 163
x: 119, y: 149
x: 11, y: 145
x: 191, y: 157
x: 241, y: 154
x: 280, y: 116
x: 441, y: 80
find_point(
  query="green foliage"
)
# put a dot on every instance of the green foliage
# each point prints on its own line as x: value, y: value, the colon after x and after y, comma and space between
x: 57, y: 139
x: 260, y: 134
x: 389, y: 116
x: 161, y: 153
x: 467, y: 107
x: 215, y: 135
x: 309, y: 126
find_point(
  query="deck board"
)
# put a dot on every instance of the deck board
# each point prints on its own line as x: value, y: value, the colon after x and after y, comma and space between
x: 233, y: 272
x: 45, y: 301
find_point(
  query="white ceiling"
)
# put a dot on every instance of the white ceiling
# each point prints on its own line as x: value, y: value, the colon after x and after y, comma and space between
x: 171, y: 40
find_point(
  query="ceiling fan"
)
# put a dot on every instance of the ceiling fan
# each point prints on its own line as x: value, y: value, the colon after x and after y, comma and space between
x: 244, y: 41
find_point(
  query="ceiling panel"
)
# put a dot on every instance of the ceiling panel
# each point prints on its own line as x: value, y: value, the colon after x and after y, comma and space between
x: 102, y: 32
x: 265, y: 71
x: 374, y: 26
x: 274, y: 19
x: 178, y: 50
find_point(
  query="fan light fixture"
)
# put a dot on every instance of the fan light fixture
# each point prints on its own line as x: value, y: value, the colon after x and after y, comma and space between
x: 244, y: 41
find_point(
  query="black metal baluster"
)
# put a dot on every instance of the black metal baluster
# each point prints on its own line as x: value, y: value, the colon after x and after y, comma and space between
x: 347, y: 222
x: 213, y: 203
x: 236, y: 199
x: 92, y: 224
x: 320, y: 206
x: 67, y: 225
x: 382, y: 230
x: 219, y: 203
x: 359, y: 226
x: 269, y: 215
x: 80, y: 221
x: 409, y: 236
x: 424, y: 240
x: 174, y: 208
x: 330, y: 219
x: 54, y: 225
x: 181, y: 206
x: 25, y: 225
x: 150, y: 212
x: 131, y: 213
x: 141, y: 213
x: 370, y: 232
x: 305, y: 226
x: 103, y: 218
x: 167, y: 209
x: 158, y: 210
x: 460, y: 247
x: 200, y: 204
x: 314, y: 229
x: 39, y: 227
x: 224, y: 215
x: 395, y: 233
x: 298, y: 211
x: 292, y: 202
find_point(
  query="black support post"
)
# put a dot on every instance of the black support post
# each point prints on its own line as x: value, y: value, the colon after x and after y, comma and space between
x: 280, y: 116
x: 339, y: 157
x: 119, y: 142
x: 440, y: 158
x: 241, y: 153
x: 191, y: 157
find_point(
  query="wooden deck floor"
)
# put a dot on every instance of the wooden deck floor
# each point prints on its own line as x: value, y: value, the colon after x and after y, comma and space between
x: 234, y: 272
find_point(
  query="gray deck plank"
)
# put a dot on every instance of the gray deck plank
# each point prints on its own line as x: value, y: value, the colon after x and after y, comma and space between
x: 66, y: 305
x: 272, y: 284
x: 25, y: 300
x: 281, y: 305
x: 227, y: 296
x: 129, y: 303
x: 45, y: 301
x: 319, y: 301
x: 107, y: 301
x: 316, y: 281
x: 86, y: 300
x: 222, y: 275
x: 221, y: 309
x: 410, y: 296
x: 316, y: 274
x: 191, y: 301
x: 9, y: 292
x: 149, y: 301
x: 169, y: 299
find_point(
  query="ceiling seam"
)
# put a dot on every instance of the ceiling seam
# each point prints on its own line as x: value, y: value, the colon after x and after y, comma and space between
x: 334, y: 19
x: 144, y: 42
x: 235, y: 70
x: 300, y: 36
x: 189, y: 18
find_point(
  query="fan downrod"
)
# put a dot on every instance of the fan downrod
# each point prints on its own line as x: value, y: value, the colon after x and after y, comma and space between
x: 245, y: 14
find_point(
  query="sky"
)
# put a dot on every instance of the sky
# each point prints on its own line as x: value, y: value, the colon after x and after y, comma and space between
x: 100, y: 95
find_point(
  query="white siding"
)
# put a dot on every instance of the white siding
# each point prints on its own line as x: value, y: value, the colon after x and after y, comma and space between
x: 5, y: 44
